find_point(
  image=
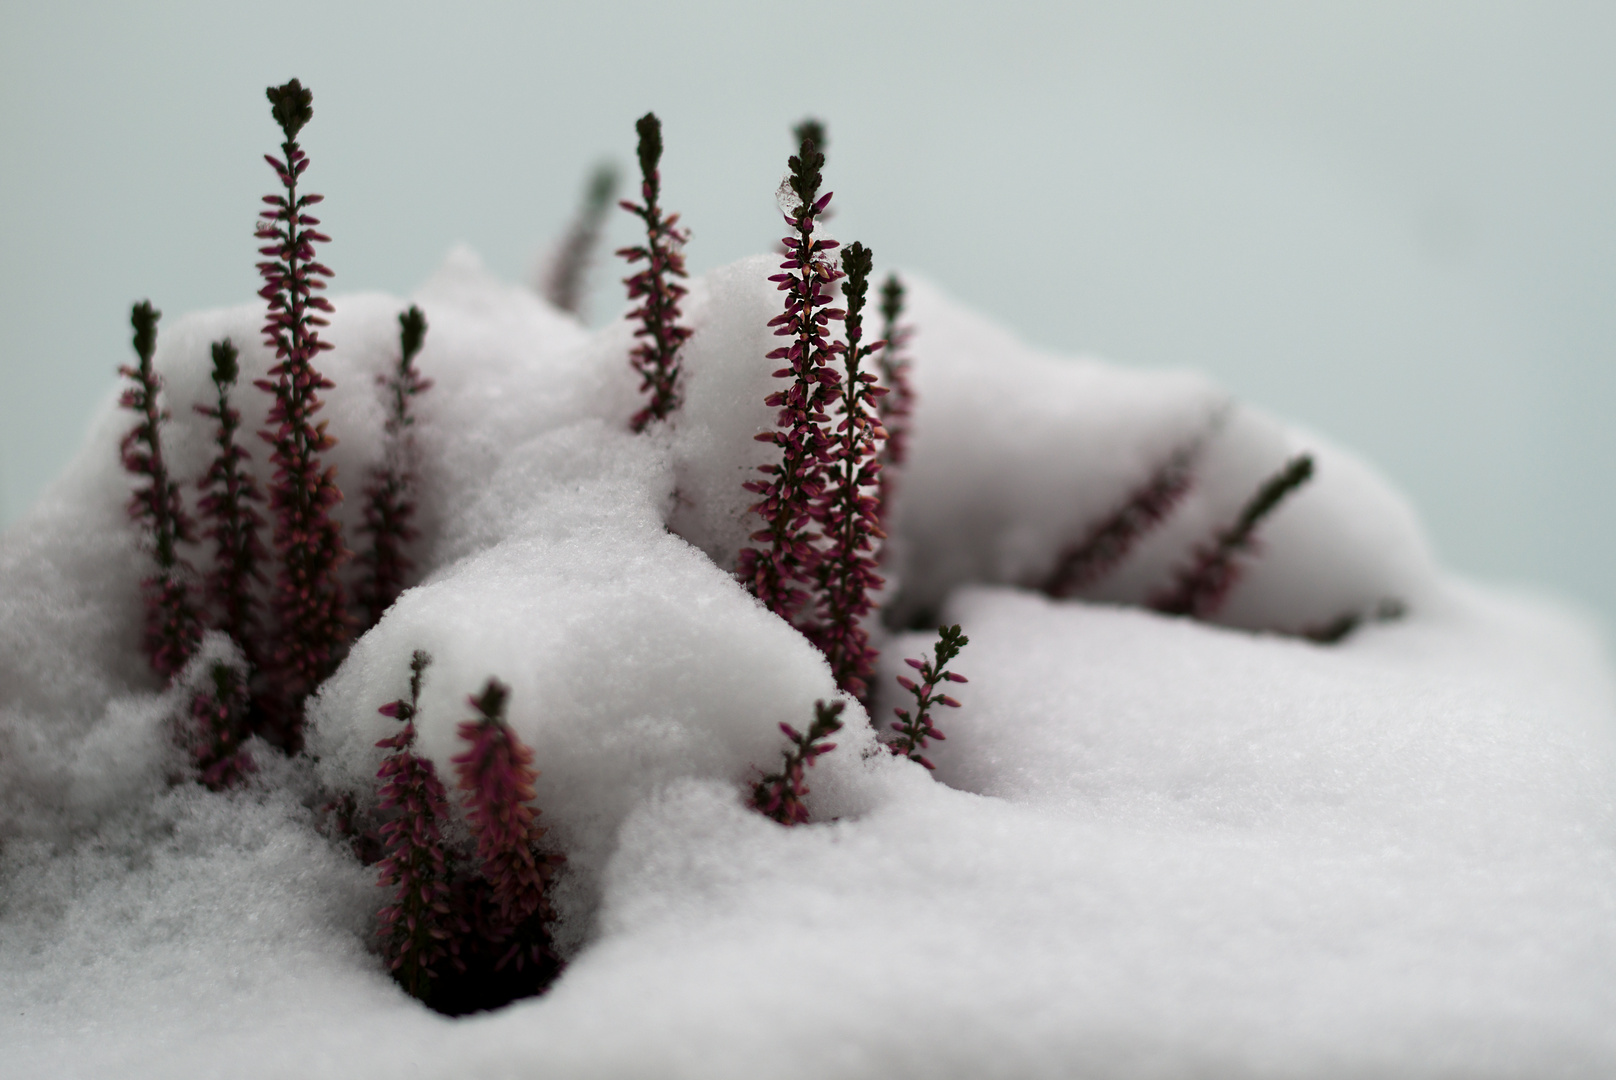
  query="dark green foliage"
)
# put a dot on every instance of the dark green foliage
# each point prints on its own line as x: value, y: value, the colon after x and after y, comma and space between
x: 292, y: 106
x: 565, y: 283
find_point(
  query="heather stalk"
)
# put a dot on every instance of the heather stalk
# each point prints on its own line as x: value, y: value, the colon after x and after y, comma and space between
x: 784, y: 561
x: 419, y: 928
x: 780, y: 795
x: 1201, y: 587
x: 1110, y: 540
x: 229, y: 492
x: 849, y: 512
x: 896, y: 406
x: 496, y: 774
x: 656, y: 286
x: 219, y: 707
x: 172, y: 626
x: 390, y: 494
x: 565, y: 282
x: 307, y: 596
x: 917, y: 730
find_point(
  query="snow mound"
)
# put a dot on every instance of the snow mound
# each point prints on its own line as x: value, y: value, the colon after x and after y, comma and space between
x: 1151, y: 846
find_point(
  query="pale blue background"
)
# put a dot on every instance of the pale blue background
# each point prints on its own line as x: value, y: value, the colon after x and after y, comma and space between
x: 1392, y: 221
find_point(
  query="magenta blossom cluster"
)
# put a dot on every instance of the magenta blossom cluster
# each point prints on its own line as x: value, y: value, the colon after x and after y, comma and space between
x: 1200, y: 587
x: 172, y: 624
x: 781, y: 795
x: 656, y: 287
x: 390, y: 495
x: 420, y: 928
x: 916, y: 730
x: 779, y: 569
x: 496, y: 778
x: 848, y: 513
x: 228, y: 508
x: 897, y: 405
x: 307, y: 598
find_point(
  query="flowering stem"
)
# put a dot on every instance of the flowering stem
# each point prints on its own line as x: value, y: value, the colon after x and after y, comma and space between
x: 419, y: 928
x: 897, y: 405
x: 172, y: 625
x: 780, y: 795
x: 496, y: 773
x: 917, y: 730
x: 389, y: 495
x: 229, y: 491
x: 848, y: 513
x: 776, y: 571
x: 219, y: 715
x: 655, y: 354
x: 1201, y: 587
x: 308, y: 597
x: 568, y: 274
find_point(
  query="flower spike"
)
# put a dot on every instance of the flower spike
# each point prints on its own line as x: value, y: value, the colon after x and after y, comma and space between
x: 656, y: 287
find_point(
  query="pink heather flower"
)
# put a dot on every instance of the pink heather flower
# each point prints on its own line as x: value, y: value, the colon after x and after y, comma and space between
x: 777, y: 570
x: 1200, y: 588
x: 172, y: 625
x: 389, y: 496
x: 848, y: 511
x: 780, y: 795
x: 496, y: 775
x: 419, y: 929
x: 230, y: 519
x: 895, y: 408
x: 657, y: 286
x: 916, y: 731
x: 308, y: 598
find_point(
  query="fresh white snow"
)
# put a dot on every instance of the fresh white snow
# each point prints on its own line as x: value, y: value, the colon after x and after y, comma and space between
x: 1152, y: 847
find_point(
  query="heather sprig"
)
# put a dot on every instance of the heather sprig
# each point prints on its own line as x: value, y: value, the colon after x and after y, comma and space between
x: 656, y: 286
x: 496, y: 775
x: 916, y: 730
x: 389, y: 494
x: 1110, y: 540
x: 777, y: 569
x: 780, y: 795
x: 419, y: 928
x: 219, y: 704
x: 172, y: 626
x: 897, y: 405
x: 307, y: 597
x: 1201, y: 586
x: 568, y: 275
x: 230, y: 517
x: 848, y: 512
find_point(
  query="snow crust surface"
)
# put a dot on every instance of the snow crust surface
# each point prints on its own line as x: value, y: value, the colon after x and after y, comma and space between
x: 1151, y: 847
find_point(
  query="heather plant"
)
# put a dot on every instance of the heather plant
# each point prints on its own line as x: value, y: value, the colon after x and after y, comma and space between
x: 895, y: 407
x: 419, y: 929
x: 307, y: 597
x: 777, y: 570
x: 1110, y: 539
x: 917, y: 730
x: 1203, y: 584
x: 848, y: 513
x: 172, y: 625
x: 495, y: 775
x: 566, y: 281
x: 228, y: 508
x: 656, y: 352
x: 780, y: 795
x: 389, y: 494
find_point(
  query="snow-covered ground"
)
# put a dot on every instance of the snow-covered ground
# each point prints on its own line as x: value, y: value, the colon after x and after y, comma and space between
x: 1152, y: 847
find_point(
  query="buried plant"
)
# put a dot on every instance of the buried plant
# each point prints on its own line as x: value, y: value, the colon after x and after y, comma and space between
x: 780, y: 795
x: 916, y: 730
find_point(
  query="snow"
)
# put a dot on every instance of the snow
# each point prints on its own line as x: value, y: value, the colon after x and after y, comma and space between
x: 1151, y: 847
